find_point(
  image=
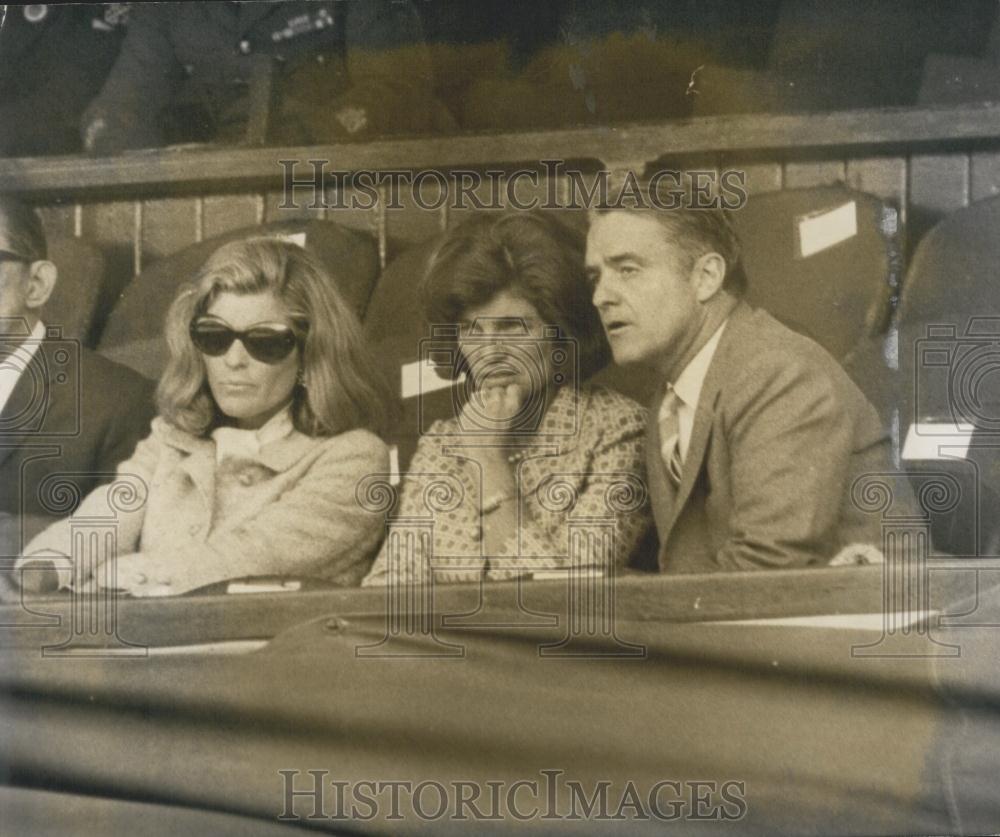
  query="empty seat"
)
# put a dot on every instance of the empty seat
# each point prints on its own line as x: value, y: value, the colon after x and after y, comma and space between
x: 950, y: 320
x: 395, y: 328
x: 133, y: 334
x: 821, y: 260
x: 949, y: 358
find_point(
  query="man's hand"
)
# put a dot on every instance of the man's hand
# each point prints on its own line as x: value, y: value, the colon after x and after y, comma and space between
x: 33, y: 578
x: 10, y: 593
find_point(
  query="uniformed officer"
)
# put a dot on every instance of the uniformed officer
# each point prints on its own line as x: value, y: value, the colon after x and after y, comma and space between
x: 193, y: 72
x: 53, y: 61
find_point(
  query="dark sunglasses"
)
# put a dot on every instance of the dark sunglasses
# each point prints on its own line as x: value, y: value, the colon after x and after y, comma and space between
x: 266, y: 343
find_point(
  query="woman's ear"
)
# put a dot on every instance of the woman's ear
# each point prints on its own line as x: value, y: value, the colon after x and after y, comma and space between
x: 41, y: 283
x: 708, y: 273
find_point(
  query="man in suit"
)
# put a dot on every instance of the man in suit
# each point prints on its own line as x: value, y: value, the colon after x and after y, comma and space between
x: 67, y: 415
x: 757, y: 434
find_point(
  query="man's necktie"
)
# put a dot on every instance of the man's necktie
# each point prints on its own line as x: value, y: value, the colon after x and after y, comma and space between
x: 670, y: 436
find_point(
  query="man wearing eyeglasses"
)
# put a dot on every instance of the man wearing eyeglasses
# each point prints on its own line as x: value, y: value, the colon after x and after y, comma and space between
x: 67, y: 415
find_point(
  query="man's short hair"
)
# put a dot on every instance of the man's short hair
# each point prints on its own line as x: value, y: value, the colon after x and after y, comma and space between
x: 695, y: 232
x: 21, y: 230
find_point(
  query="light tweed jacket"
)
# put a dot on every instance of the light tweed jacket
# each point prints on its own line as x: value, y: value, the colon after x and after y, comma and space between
x: 589, y: 469
x: 181, y: 521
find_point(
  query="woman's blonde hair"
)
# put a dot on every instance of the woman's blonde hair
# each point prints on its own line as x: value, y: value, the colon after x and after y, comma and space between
x: 340, y: 387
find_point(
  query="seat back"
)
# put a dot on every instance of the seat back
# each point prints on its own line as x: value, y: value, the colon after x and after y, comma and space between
x: 821, y: 261
x: 949, y: 360
x: 395, y: 329
x: 949, y: 323
x: 73, y: 304
x: 133, y: 334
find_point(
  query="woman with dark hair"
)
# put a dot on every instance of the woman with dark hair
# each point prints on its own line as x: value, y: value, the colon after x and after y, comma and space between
x: 269, y: 409
x: 533, y: 447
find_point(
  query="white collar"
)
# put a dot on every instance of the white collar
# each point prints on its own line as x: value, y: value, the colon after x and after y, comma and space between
x: 689, y: 383
x: 12, y: 365
x: 33, y: 339
x: 246, y: 444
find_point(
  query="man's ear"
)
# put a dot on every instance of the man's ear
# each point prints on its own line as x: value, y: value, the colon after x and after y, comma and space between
x: 41, y: 283
x: 708, y: 274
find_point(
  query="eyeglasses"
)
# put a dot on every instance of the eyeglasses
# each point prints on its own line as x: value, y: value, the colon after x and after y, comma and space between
x: 266, y: 343
x: 11, y: 256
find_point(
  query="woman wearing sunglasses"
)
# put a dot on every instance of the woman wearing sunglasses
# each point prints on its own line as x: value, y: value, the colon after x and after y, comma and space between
x: 269, y: 407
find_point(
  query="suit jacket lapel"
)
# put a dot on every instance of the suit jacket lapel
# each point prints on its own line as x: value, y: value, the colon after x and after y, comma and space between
x: 701, y: 431
x: 26, y: 410
x: 661, y: 489
x: 704, y: 419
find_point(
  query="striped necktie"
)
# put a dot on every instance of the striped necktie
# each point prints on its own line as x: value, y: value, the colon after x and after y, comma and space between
x: 670, y: 436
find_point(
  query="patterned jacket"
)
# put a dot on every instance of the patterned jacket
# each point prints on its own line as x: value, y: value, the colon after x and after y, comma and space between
x: 585, y: 468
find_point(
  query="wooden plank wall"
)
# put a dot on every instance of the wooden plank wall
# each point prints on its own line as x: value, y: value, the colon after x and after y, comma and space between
x: 134, y: 233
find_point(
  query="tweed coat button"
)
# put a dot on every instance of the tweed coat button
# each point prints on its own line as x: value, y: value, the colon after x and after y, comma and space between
x: 246, y: 478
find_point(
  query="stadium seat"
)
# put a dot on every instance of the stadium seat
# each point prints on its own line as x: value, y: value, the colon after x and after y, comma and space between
x: 949, y: 358
x: 73, y: 304
x: 820, y: 260
x: 394, y: 328
x: 133, y: 332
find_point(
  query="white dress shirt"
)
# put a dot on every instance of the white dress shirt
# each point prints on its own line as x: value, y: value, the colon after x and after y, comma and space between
x: 12, y: 366
x: 688, y: 389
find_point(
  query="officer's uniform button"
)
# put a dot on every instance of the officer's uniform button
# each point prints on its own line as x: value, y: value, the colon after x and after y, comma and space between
x: 245, y: 47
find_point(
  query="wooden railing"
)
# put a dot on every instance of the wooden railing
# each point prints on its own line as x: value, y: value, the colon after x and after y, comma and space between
x: 147, y: 204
